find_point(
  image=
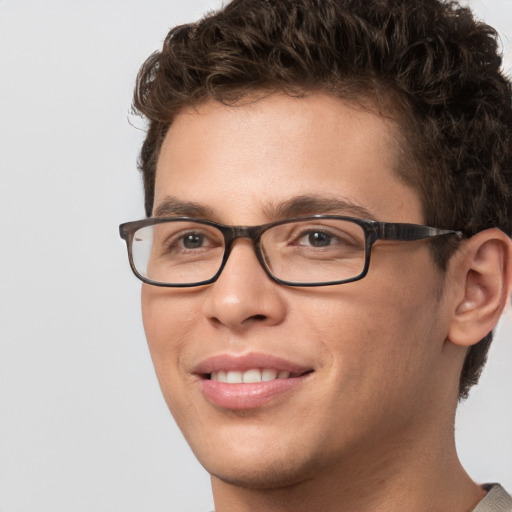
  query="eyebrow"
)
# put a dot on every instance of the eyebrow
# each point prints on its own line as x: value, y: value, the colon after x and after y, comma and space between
x: 174, y: 207
x: 313, y: 204
x: 293, y: 207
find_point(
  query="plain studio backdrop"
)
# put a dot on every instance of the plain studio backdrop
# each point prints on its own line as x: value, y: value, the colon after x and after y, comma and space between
x: 83, y: 427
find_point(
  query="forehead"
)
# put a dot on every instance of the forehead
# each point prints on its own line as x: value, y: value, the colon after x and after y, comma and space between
x: 249, y: 158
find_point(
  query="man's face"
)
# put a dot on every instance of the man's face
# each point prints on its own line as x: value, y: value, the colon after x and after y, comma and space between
x: 366, y: 358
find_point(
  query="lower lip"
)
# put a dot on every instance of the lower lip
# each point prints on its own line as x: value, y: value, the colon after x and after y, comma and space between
x: 248, y: 396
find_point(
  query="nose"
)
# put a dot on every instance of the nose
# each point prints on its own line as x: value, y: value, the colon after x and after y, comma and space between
x: 244, y: 294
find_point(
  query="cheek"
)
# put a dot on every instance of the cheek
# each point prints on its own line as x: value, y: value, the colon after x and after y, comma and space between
x: 167, y: 316
x: 372, y: 333
x: 166, y: 324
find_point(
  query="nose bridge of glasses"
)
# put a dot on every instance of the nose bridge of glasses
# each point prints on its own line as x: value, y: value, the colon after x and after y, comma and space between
x: 251, y: 232
x: 241, y: 232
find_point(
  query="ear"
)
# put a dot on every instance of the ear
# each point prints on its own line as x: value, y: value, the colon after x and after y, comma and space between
x: 483, y: 273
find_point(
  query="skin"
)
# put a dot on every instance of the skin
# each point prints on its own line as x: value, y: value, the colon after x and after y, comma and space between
x: 372, y: 426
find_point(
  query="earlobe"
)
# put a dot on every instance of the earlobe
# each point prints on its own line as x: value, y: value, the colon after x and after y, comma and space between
x: 484, y: 274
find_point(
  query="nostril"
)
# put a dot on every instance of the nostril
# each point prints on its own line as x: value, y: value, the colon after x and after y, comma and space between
x: 259, y: 317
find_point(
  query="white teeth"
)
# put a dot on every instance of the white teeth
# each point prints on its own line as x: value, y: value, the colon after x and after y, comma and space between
x: 267, y: 375
x: 234, y: 377
x: 249, y: 377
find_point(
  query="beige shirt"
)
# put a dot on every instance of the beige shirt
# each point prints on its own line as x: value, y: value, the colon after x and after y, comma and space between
x: 496, y: 500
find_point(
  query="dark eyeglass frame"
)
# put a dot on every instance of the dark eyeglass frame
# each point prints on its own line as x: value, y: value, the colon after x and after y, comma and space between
x: 373, y: 231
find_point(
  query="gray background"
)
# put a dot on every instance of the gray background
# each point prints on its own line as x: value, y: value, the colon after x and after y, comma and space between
x: 83, y: 427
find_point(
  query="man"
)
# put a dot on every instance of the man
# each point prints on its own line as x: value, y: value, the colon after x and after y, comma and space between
x: 326, y: 252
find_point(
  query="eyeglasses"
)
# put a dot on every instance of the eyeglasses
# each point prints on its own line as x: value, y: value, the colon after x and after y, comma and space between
x: 317, y: 250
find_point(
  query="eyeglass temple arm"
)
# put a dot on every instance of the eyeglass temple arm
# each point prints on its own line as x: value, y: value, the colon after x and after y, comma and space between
x: 399, y: 231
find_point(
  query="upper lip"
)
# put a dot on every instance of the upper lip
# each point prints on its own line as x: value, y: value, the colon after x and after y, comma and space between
x: 249, y: 361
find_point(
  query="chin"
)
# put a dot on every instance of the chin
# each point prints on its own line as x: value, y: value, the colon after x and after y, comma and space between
x: 262, y: 465
x: 264, y: 474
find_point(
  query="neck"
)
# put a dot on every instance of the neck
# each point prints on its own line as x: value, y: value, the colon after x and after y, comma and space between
x: 404, y: 476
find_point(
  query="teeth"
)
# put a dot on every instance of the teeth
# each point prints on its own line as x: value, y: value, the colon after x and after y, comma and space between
x: 234, y: 377
x: 267, y: 375
x: 249, y: 376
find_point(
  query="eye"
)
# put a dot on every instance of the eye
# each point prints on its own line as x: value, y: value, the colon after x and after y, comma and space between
x: 317, y: 239
x: 180, y: 240
x: 193, y: 240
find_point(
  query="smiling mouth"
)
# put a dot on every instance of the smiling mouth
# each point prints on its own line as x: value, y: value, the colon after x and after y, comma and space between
x: 252, y: 376
x: 249, y: 382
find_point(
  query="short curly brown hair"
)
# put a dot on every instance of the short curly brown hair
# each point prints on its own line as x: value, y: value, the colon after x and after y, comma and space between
x: 427, y: 64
